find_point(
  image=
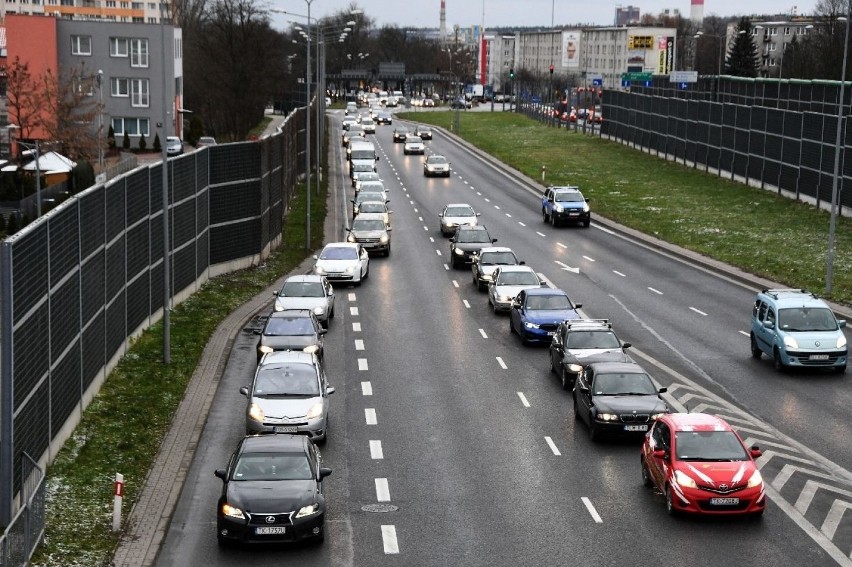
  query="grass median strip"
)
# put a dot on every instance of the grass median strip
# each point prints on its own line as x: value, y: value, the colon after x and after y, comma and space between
x: 123, y: 427
x: 750, y: 228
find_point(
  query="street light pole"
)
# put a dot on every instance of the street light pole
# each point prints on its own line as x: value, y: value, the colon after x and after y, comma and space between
x: 308, y: 133
x: 100, y: 120
x: 829, y: 271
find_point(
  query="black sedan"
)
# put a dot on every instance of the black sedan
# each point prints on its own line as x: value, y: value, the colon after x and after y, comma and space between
x: 579, y: 342
x: 272, y: 492
x: 618, y: 399
x: 291, y: 329
x: 467, y: 241
x: 399, y: 134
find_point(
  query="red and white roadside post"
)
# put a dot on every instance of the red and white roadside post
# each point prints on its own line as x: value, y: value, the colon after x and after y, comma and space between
x: 116, y: 503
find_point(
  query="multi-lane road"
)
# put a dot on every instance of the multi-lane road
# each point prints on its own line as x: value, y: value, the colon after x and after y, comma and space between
x: 452, y: 444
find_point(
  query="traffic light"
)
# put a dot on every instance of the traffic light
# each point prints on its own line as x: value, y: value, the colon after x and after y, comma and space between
x: 551, y: 68
x: 511, y: 74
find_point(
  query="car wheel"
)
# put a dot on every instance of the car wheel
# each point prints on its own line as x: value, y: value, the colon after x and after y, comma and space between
x: 587, y: 222
x: 553, y: 222
x: 670, y: 502
x: 320, y: 538
x: 511, y: 325
x: 776, y: 360
x: 481, y: 286
x: 331, y: 313
x: 576, y: 410
x: 646, y: 477
x: 544, y: 215
x: 840, y: 369
x: 563, y: 376
x: 594, y: 434
x: 387, y: 252
x: 222, y: 541
x: 552, y: 366
x: 755, y: 350
x: 494, y: 306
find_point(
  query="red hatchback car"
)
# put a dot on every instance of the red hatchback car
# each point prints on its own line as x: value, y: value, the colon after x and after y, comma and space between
x: 702, y: 466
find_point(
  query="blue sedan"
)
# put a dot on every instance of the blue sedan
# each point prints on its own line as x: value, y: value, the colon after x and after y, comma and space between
x: 536, y: 313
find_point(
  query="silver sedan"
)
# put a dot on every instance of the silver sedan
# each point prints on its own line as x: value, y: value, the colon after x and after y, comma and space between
x: 310, y: 291
x: 507, y: 282
x: 455, y: 215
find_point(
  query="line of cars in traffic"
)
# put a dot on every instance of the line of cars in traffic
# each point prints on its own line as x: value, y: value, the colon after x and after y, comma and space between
x: 697, y: 461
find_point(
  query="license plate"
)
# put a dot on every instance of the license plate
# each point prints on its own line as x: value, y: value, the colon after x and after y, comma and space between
x: 285, y: 429
x: 270, y: 530
x: 819, y: 357
x: 573, y: 214
x: 643, y: 427
x: 724, y: 501
x: 550, y: 333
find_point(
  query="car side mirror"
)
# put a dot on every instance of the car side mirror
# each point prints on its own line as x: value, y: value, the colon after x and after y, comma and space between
x: 769, y: 324
x: 258, y: 331
x: 660, y: 454
x: 220, y: 473
x: 522, y: 263
x: 662, y: 390
x: 322, y: 331
x: 347, y: 229
x: 330, y: 390
x: 453, y: 239
x: 244, y: 390
x: 493, y: 240
x: 841, y: 323
x: 388, y: 229
x: 478, y: 214
x: 377, y: 158
x: 324, y: 472
x: 588, y: 200
x: 755, y: 452
x: 315, y: 257
x: 352, y: 201
x: 584, y: 389
x: 578, y: 305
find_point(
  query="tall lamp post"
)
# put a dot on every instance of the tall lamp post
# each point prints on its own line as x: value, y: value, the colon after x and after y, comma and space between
x: 723, y: 40
x: 829, y: 271
x: 100, y: 79
x: 35, y: 148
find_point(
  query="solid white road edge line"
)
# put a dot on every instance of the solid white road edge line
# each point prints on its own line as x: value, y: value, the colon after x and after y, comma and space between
x: 594, y: 513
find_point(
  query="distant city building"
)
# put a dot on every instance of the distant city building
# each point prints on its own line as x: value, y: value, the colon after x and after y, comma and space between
x: 772, y: 39
x: 626, y: 15
x: 123, y: 11
x: 606, y: 53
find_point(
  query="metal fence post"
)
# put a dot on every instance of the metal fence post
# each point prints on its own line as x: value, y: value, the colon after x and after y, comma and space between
x: 7, y: 391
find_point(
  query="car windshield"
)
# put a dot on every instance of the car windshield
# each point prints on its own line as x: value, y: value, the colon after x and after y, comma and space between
x: 374, y: 186
x: 517, y: 278
x: 436, y: 160
x: 302, y: 289
x: 568, y: 197
x: 592, y: 339
x: 807, y: 319
x: 370, y: 196
x: 288, y: 326
x: 403, y: 131
x: 459, y: 212
x: 708, y: 446
x: 498, y: 259
x: 413, y: 139
x: 363, y: 154
x: 473, y: 236
x: 368, y: 224
x: 272, y: 466
x: 623, y: 384
x: 286, y: 380
x: 372, y: 207
x: 368, y: 176
x: 355, y: 129
x: 536, y: 302
x: 339, y: 253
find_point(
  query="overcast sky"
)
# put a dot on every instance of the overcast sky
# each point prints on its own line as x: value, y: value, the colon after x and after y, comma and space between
x: 504, y: 13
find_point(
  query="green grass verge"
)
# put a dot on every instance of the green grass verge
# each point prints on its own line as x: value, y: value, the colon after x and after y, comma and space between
x: 753, y: 229
x: 122, y: 429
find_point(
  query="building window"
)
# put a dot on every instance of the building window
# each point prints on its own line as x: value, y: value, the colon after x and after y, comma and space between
x: 81, y: 45
x: 119, y: 87
x: 118, y: 47
x: 787, y: 30
x: 138, y: 52
x: 131, y: 126
x: 139, y: 92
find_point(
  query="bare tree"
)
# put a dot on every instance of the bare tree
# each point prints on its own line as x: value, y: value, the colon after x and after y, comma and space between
x: 24, y: 99
x: 70, y: 110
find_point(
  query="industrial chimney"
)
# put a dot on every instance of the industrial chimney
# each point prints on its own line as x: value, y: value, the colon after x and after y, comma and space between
x: 696, y: 13
x: 443, y: 21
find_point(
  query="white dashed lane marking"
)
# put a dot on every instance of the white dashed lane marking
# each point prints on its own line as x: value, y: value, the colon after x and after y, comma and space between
x: 389, y: 539
x: 744, y: 333
x: 438, y: 252
x: 366, y: 389
x: 351, y: 297
x: 482, y: 332
x: 502, y: 364
x: 455, y: 283
x: 658, y: 292
x: 362, y: 364
x: 466, y: 304
x: 523, y: 399
x: 552, y: 446
x: 522, y: 224
x: 561, y: 245
x: 370, y: 416
x: 356, y: 327
x: 382, y: 490
x: 376, y: 449
x: 589, y: 259
x: 699, y: 311
x: 359, y: 344
x: 353, y: 311
x: 619, y: 274
x: 541, y: 234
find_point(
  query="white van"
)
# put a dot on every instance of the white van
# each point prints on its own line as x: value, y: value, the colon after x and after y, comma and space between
x: 362, y: 152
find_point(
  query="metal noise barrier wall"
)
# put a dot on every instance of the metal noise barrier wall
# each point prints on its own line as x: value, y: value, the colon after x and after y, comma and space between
x: 751, y: 134
x: 80, y: 282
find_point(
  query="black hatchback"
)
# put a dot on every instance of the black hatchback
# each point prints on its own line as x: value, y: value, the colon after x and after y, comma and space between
x: 467, y: 241
x: 272, y: 491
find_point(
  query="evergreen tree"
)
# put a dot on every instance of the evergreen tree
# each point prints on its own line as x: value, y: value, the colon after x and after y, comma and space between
x: 158, y: 147
x: 3, y: 223
x: 111, y: 138
x: 126, y: 142
x: 12, y: 227
x: 143, y: 144
x: 742, y: 58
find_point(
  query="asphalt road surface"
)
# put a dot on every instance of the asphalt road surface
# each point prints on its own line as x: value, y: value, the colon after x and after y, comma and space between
x: 453, y: 444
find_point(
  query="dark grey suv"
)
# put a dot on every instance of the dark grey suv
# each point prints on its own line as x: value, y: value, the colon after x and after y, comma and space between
x: 467, y: 241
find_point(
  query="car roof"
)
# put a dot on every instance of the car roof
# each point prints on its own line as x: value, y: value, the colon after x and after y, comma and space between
x: 458, y: 205
x: 697, y: 422
x: 305, y: 278
x: 436, y: 156
x: 291, y: 313
x: 623, y: 367
x: 341, y: 245
x: 516, y: 268
x: 472, y: 227
x: 370, y: 216
x: 545, y: 291
x: 792, y: 298
x: 566, y: 188
x: 495, y: 249
x: 283, y: 356
x: 284, y: 442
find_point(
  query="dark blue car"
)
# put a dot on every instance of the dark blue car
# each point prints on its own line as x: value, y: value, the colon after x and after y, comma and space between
x: 536, y: 313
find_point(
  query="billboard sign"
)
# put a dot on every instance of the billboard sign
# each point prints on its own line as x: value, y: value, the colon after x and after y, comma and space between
x: 571, y: 49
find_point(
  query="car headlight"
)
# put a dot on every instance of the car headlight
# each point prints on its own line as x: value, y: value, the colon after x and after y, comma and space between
x: 586, y: 208
x: 684, y: 480
x: 351, y: 238
x: 575, y: 368
x: 314, y: 412
x: 232, y: 512
x: 307, y: 511
x: 350, y: 270
x: 504, y: 298
x: 557, y: 208
x: 755, y: 480
x: 265, y: 349
x: 256, y: 412
x: 319, y: 270
x: 459, y: 251
x: 311, y: 349
x: 383, y: 238
x: 319, y: 310
x: 790, y: 342
x: 607, y: 417
x: 841, y: 341
x: 529, y: 325
x: 656, y: 416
